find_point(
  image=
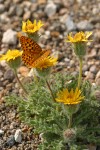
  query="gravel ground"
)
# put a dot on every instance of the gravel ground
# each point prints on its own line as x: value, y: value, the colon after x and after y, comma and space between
x: 60, y: 18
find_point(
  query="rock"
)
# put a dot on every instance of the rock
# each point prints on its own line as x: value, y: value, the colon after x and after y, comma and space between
x: 10, y: 37
x: 97, y: 81
x: 2, y: 8
x: 72, y: 63
x: 67, y: 60
x: 70, y: 24
x: 41, y: 2
x: 17, y: 1
x: 1, y: 74
x: 95, y: 11
x: 1, y: 1
x: 63, y: 11
x: 67, y: 20
x: 47, y: 33
x: 55, y: 34
x: 9, y: 75
x: 97, y: 34
x: 27, y: 15
x: 4, y: 18
x: 93, y: 69
x: 23, y: 71
x: 89, y: 75
x: 98, y: 75
x: 12, y: 10
x: 92, y: 53
x: 85, y: 68
x: 18, y: 136
x: 1, y: 132
x: 26, y: 5
x: 33, y: 1
x: 1, y: 83
x: 9, y: 87
x: 33, y: 7
x: 3, y: 63
x: 50, y: 9
x: 84, y: 25
x: 10, y: 142
x: 63, y: 18
x: 80, y: 1
x: 19, y: 11
x: 94, y: 20
x: 41, y: 137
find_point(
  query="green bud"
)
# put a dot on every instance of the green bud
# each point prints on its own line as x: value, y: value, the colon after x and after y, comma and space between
x: 71, y: 109
x: 80, y: 49
x: 34, y: 36
x: 14, y: 64
x: 44, y: 73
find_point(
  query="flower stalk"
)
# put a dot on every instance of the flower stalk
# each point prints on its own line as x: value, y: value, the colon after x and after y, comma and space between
x: 25, y: 91
x: 70, y: 121
x: 48, y: 85
x: 80, y: 72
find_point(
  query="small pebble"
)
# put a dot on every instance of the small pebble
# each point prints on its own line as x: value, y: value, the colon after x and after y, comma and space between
x: 10, y: 37
x: 10, y: 142
x: 1, y: 132
x: 50, y: 9
x: 18, y: 136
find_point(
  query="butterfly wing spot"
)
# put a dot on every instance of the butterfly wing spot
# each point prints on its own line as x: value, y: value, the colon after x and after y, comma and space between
x: 29, y: 44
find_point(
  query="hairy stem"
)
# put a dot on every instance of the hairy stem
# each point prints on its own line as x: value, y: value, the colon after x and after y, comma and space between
x: 20, y: 83
x: 50, y: 90
x: 80, y: 73
x: 70, y: 121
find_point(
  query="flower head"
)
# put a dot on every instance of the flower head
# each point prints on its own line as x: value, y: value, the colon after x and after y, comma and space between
x: 69, y: 97
x: 79, y: 37
x: 46, y: 62
x: 30, y: 27
x: 11, y: 55
x: 13, y: 58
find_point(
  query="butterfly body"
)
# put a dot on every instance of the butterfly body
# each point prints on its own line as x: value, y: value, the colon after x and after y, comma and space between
x: 32, y: 52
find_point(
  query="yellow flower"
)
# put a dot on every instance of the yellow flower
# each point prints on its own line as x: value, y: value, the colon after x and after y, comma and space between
x: 69, y: 97
x: 46, y: 62
x: 79, y: 37
x: 11, y: 55
x: 30, y: 27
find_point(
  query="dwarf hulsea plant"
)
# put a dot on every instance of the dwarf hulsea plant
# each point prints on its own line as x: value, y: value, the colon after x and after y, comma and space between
x: 62, y: 107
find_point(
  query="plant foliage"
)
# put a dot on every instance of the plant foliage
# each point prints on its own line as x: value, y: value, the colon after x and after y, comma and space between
x: 49, y: 119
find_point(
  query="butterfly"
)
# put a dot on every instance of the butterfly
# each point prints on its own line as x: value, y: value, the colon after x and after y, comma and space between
x: 32, y: 52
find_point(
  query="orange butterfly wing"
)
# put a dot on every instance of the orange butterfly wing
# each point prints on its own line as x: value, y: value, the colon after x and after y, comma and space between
x: 28, y: 45
x: 32, y: 52
x: 44, y: 54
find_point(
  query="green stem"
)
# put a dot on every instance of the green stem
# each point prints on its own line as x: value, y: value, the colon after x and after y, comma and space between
x: 80, y: 73
x: 70, y: 121
x: 50, y: 90
x: 20, y: 83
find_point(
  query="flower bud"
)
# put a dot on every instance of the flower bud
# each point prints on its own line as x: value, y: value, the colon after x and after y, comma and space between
x: 14, y: 64
x: 69, y: 135
x: 71, y: 109
x: 44, y: 73
x: 34, y: 36
x: 79, y: 49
